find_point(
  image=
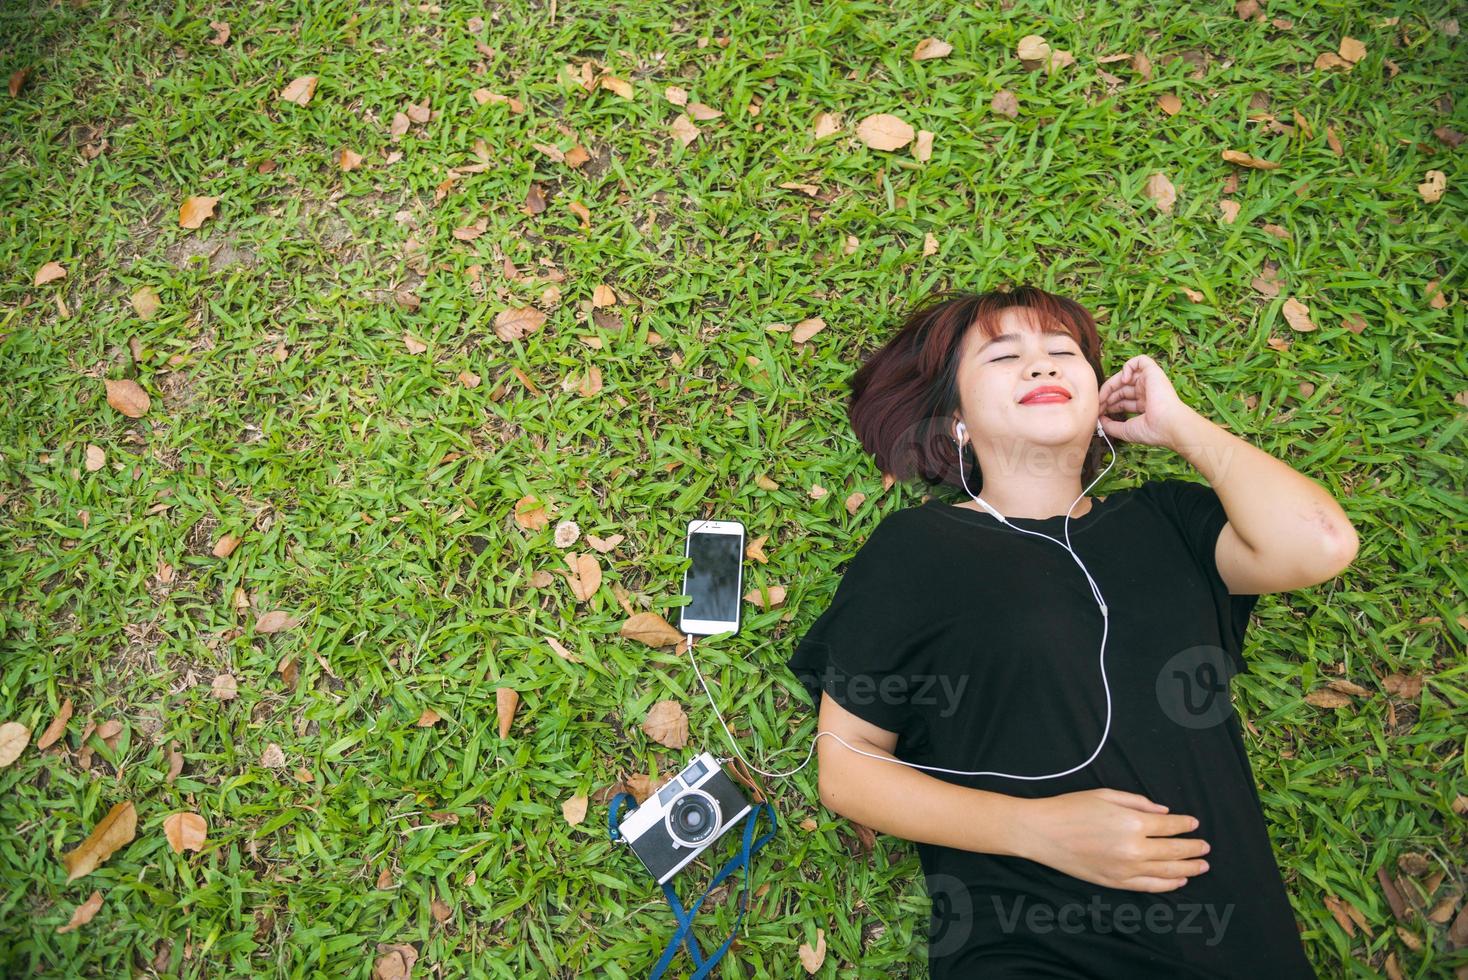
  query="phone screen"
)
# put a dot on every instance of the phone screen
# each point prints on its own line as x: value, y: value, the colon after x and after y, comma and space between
x: 713, y: 577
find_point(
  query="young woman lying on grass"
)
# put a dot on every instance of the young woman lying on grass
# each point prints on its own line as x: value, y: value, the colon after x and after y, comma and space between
x: 1126, y: 836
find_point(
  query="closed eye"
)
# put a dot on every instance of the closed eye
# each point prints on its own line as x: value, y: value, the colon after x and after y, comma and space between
x: 1006, y: 357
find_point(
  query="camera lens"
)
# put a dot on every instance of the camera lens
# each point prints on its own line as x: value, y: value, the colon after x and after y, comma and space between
x: 692, y: 817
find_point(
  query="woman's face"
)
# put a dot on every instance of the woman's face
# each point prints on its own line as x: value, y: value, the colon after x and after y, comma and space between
x: 995, y: 374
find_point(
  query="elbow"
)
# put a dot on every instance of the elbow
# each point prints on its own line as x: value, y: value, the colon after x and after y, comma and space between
x: 1332, y: 556
x: 1344, y: 544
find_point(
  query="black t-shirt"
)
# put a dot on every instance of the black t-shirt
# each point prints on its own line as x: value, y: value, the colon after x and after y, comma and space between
x: 980, y: 645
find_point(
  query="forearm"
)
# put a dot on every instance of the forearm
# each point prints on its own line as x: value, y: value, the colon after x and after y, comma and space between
x: 911, y: 804
x: 1277, y: 511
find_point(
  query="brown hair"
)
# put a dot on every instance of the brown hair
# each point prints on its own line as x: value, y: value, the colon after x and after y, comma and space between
x: 903, y: 397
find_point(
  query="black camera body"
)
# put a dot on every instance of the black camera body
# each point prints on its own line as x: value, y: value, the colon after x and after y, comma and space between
x: 683, y: 817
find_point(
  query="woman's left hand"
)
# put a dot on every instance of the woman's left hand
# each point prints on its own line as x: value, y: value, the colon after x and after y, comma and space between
x: 1141, y: 388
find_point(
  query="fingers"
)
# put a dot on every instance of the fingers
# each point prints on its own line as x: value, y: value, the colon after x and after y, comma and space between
x: 1167, y: 824
x: 1174, y: 869
x: 1154, y: 884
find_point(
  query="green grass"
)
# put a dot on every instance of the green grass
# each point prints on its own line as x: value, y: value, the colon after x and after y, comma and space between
x: 331, y: 462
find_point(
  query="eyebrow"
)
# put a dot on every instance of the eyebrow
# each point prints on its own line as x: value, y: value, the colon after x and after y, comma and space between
x: 1048, y: 332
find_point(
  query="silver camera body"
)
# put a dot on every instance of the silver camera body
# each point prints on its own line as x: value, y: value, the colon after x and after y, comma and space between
x: 683, y: 817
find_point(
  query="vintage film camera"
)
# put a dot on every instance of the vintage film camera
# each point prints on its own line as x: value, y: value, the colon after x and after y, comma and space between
x: 683, y: 817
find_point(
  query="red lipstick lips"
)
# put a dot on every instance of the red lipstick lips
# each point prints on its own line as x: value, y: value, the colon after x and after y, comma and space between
x: 1045, y: 394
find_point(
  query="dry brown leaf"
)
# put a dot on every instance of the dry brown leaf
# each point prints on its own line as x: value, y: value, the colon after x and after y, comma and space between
x: 618, y: 86
x: 584, y: 576
x: 225, y: 688
x: 826, y: 124
x: 96, y: 458
x: 605, y: 545
x: 14, y: 737
x: 931, y: 47
x: 1352, y: 50
x: 1142, y: 65
x: 1433, y: 187
x: 530, y: 513
x: 757, y: 597
x: 57, y: 727
x: 185, y: 831
x: 574, y: 809
x: 883, y: 131
x: 561, y: 650
x: 128, y: 397
x: 17, y: 79
x: 441, y: 912
x: 1032, y: 47
x: 226, y: 545
x: 1326, y: 698
x: 395, y: 963
x: 116, y: 829
x: 812, y: 959
x: 414, y: 345
x: 516, y: 322
x: 221, y: 33
x: 146, y: 302
x: 1230, y: 211
x: 1278, y: 232
x: 273, y: 757
x: 1245, y: 160
x: 640, y: 786
x: 1435, y: 297
x: 651, y: 629
x: 1004, y: 103
x: 175, y: 762
x: 83, y: 913
x: 701, y: 112
x: 755, y: 550
x: 1333, y: 141
x: 603, y: 296
x: 684, y: 129
x: 1297, y: 314
x: 276, y: 621
x: 348, y: 159
x: 300, y: 90
x: 1169, y: 103
x: 49, y: 272
x: 428, y: 718
x: 506, y: 700
x: 1329, y: 59
x: 667, y: 724
x: 1161, y: 191
x: 806, y: 329
x: 195, y: 211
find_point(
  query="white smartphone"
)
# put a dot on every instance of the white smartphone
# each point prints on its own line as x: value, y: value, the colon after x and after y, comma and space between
x: 714, y: 579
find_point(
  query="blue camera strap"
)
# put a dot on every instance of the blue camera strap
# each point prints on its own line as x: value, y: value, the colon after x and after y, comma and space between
x: 684, y: 933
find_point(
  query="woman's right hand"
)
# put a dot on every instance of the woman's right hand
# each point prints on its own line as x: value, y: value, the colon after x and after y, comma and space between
x: 1115, y: 839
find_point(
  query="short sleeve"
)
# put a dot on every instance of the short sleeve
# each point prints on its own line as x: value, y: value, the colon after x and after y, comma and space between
x: 1197, y: 513
x: 862, y: 650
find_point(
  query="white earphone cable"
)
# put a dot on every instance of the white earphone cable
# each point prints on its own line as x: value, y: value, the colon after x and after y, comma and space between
x: 1095, y: 592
